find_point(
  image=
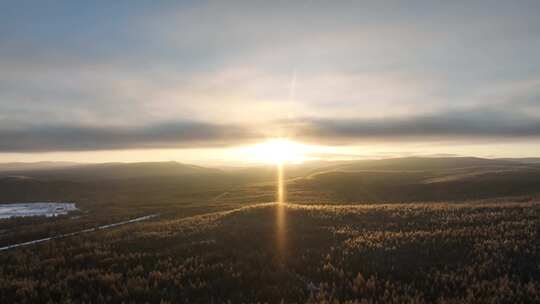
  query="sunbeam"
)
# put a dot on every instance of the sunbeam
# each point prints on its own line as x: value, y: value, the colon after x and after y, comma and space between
x: 281, y: 220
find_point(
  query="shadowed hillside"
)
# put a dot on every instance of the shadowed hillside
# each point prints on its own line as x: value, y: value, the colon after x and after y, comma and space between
x: 171, y: 183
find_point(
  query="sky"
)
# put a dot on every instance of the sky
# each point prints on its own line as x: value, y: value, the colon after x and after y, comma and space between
x: 198, y: 81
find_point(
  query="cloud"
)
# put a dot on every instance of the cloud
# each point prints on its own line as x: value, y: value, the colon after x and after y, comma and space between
x: 457, y: 125
x: 465, y: 126
x: 84, y: 138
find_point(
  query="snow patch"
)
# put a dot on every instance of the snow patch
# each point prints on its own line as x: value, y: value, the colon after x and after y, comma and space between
x: 35, y: 209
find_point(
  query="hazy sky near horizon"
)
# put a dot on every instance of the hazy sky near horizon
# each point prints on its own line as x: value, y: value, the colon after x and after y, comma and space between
x: 192, y: 80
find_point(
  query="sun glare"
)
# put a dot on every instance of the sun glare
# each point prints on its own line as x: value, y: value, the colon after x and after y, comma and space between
x: 278, y: 151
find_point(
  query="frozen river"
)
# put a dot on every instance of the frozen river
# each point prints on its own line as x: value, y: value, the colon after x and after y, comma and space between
x: 61, y: 236
x: 35, y: 209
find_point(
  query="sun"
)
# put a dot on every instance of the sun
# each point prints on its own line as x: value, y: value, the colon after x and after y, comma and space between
x: 278, y: 151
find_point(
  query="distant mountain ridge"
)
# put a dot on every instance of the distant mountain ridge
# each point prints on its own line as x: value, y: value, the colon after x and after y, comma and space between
x: 385, y: 180
x: 77, y: 171
x: 24, y: 166
x: 424, y: 163
x: 440, y: 168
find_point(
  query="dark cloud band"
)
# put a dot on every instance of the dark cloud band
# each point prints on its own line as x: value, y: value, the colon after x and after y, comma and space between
x: 467, y: 126
x: 450, y: 125
x: 79, y: 138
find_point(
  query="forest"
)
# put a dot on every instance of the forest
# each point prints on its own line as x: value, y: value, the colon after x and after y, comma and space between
x: 476, y: 252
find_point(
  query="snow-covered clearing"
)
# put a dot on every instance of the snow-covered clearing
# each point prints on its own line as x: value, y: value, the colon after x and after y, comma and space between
x: 35, y: 209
